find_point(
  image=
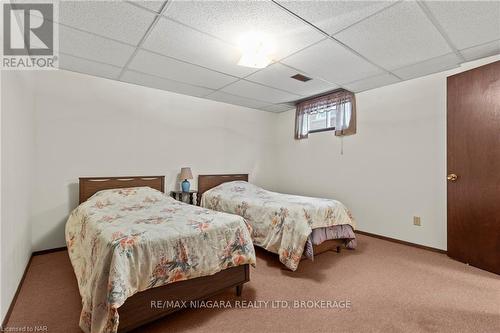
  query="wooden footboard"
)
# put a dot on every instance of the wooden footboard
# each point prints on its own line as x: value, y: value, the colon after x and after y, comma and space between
x: 145, y: 307
x: 329, y: 245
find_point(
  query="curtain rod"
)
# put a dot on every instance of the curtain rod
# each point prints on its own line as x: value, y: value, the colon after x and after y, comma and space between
x: 323, y: 95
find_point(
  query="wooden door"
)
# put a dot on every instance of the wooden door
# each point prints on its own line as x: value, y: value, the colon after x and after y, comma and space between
x: 474, y: 157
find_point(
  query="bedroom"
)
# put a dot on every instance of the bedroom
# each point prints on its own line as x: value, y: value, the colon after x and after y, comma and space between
x: 147, y: 88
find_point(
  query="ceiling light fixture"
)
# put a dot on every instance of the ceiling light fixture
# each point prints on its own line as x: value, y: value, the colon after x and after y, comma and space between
x: 256, y: 50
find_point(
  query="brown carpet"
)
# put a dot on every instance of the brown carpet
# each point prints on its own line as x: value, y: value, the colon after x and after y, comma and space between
x: 391, y: 287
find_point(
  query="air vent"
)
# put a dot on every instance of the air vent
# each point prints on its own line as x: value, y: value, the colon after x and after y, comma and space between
x: 301, y: 77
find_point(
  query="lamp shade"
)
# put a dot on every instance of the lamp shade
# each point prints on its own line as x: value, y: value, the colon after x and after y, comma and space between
x: 186, y: 173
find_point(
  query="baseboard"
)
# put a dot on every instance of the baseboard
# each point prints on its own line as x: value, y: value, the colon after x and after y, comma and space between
x: 14, y: 299
x: 57, y: 249
x: 394, y: 240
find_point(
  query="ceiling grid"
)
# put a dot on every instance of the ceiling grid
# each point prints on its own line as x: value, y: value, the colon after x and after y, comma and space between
x: 183, y: 46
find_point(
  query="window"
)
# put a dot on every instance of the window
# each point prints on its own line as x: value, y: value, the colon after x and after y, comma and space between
x: 332, y: 112
x: 327, y: 120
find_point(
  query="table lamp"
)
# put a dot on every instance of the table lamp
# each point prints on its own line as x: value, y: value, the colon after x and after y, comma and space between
x: 185, y: 174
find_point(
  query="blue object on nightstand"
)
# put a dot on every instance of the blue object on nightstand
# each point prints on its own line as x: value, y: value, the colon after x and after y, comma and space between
x: 185, y: 174
x: 185, y: 185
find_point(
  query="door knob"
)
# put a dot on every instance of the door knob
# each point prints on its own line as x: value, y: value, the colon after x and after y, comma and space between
x: 452, y: 177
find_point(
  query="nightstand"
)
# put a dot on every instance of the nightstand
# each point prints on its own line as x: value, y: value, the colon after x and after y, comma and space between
x: 181, y: 196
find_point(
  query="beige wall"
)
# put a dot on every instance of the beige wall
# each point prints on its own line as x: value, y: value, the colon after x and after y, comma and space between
x: 394, y: 168
x: 88, y: 126
x: 17, y: 167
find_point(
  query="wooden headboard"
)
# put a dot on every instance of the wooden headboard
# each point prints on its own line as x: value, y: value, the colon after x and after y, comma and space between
x: 206, y: 182
x: 90, y: 186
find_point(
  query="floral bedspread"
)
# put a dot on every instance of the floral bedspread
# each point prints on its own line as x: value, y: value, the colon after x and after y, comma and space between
x: 281, y: 223
x: 124, y: 241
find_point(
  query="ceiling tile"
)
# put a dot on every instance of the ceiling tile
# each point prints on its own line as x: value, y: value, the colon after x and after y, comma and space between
x: 332, y: 62
x: 278, y: 107
x: 178, y: 41
x: 258, y: 92
x: 468, y: 23
x: 229, y: 22
x: 333, y: 16
x: 430, y: 66
x: 481, y: 51
x: 238, y: 100
x: 113, y: 19
x: 152, y: 5
x: 164, y: 84
x: 399, y: 36
x: 80, y: 65
x: 92, y: 47
x: 279, y: 76
x: 371, y: 82
x: 150, y: 63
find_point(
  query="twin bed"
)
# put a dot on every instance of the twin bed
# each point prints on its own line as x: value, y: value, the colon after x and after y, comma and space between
x: 131, y: 245
x: 291, y: 226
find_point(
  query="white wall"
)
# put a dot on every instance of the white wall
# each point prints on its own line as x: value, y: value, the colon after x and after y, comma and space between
x: 17, y: 167
x: 88, y: 126
x: 393, y: 169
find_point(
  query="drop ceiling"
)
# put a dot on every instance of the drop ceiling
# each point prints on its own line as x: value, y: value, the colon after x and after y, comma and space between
x: 189, y: 47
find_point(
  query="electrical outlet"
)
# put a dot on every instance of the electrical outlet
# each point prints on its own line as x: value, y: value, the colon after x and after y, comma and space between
x: 416, y: 220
